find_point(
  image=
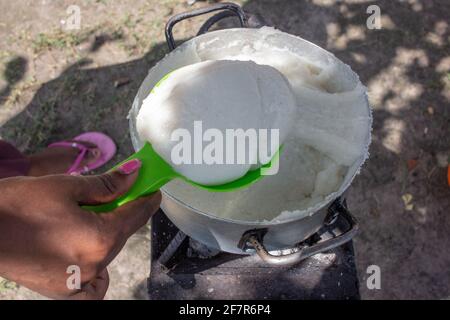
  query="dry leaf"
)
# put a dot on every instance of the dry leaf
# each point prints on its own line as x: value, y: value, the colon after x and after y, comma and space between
x: 448, y: 175
x: 443, y: 159
x: 412, y: 163
x: 121, y: 82
x: 407, y: 201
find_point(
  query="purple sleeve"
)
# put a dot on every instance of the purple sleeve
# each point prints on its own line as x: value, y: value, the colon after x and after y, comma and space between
x: 12, y: 161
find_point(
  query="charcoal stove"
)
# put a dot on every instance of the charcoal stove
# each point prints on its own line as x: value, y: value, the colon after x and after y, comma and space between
x: 183, y: 268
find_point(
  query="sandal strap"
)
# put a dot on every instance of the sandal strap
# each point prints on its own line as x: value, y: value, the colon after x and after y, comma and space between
x: 76, y: 164
x: 69, y: 144
x: 83, y: 151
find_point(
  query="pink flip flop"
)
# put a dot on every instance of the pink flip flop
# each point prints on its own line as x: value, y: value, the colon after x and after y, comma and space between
x: 102, y: 142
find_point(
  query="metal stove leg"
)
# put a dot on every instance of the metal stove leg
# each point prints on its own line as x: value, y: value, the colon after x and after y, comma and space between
x: 254, y: 239
x: 172, y: 248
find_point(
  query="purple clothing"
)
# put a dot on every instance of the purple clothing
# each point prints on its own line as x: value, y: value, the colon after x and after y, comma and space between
x: 12, y: 161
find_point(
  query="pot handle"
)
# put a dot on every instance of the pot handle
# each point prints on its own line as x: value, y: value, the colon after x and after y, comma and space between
x: 230, y: 9
x: 253, y: 239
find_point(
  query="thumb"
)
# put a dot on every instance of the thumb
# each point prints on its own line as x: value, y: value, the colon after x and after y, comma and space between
x: 94, y: 289
x: 104, y: 188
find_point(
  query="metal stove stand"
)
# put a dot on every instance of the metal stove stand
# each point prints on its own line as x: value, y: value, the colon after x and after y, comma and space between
x: 182, y: 268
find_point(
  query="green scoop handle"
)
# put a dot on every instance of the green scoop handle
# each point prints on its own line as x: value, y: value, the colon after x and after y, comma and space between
x: 156, y: 172
x: 153, y: 174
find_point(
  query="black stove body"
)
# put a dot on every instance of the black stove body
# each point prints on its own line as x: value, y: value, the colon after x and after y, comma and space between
x: 183, y: 268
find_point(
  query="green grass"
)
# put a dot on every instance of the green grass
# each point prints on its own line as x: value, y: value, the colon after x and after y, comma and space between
x: 7, y: 285
x: 59, y: 40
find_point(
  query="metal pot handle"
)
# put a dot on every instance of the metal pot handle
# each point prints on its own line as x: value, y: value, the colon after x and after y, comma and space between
x: 230, y: 9
x: 253, y: 239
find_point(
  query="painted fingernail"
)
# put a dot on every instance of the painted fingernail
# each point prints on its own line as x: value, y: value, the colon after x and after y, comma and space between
x: 130, y: 166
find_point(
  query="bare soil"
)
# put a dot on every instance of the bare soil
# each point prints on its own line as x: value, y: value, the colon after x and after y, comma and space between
x: 57, y: 83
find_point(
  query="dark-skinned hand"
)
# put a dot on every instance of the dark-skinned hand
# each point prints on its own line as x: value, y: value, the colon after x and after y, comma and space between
x: 44, y: 230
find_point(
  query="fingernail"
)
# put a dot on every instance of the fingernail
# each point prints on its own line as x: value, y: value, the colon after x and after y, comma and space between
x: 130, y: 166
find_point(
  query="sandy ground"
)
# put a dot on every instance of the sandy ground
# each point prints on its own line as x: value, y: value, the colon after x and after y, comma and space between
x: 56, y: 83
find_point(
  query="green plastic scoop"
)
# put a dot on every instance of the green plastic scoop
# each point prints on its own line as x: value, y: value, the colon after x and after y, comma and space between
x: 156, y: 172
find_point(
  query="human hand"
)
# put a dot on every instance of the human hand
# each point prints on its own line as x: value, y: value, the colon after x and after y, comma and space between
x: 43, y: 229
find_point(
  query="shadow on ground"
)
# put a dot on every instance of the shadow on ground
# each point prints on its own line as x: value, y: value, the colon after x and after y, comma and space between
x: 403, y: 65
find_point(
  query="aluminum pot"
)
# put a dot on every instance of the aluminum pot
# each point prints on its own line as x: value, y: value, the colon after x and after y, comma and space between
x: 242, y: 237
